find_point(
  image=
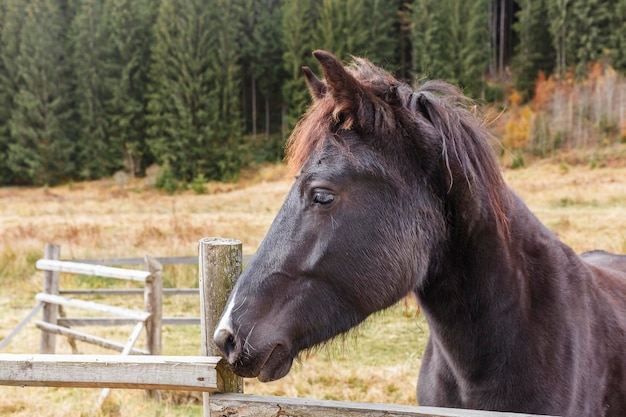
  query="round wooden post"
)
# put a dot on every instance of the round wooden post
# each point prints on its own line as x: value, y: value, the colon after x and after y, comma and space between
x: 219, y: 263
x: 153, y: 299
x: 50, y: 311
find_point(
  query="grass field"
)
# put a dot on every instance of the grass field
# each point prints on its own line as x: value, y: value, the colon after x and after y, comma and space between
x: 584, y: 203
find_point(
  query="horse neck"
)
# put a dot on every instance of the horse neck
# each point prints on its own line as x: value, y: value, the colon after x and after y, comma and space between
x: 480, y: 290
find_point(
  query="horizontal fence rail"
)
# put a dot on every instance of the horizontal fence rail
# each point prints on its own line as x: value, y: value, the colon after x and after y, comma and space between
x: 104, y: 321
x: 163, y: 260
x: 195, y: 373
x: 90, y: 305
x: 240, y: 405
x: 95, y: 270
x: 88, y: 338
x: 129, y: 291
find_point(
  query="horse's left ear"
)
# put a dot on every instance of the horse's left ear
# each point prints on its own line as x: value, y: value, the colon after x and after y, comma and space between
x: 316, y: 87
x: 345, y: 89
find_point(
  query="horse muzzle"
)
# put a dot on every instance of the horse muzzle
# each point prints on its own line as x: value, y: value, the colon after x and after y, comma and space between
x: 267, y: 362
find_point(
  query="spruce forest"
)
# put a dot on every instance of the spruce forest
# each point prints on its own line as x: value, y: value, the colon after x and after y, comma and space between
x: 204, y: 88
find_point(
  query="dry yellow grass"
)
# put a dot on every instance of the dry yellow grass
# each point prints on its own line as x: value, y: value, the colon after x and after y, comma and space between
x: 585, y: 206
x: 378, y: 362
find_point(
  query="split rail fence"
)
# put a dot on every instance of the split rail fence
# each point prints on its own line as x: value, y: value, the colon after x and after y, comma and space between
x: 220, y: 263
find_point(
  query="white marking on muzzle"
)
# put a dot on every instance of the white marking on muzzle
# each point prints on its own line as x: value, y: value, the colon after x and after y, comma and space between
x: 226, y: 322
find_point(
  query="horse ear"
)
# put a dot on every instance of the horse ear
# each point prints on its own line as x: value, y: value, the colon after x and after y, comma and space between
x: 345, y: 89
x: 343, y: 86
x: 316, y: 87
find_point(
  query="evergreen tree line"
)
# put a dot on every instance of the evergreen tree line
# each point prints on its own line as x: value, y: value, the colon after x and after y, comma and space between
x: 204, y: 87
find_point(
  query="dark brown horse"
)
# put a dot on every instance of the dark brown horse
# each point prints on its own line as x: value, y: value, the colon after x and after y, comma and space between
x: 397, y: 191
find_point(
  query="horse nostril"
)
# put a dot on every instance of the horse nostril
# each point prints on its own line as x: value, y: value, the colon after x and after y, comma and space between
x: 230, y: 345
x: 226, y: 342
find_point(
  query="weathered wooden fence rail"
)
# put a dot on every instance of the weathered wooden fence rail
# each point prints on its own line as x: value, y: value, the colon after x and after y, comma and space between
x: 195, y: 373
x: 52, y: 300
x: 219, y: 266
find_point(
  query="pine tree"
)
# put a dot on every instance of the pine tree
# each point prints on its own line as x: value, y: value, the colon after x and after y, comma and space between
x: 129, y: 39
x: 341, y: 27
x: 357, y: 28
x: 268, y: 57
x: 402, y: 27
x: 226, y: 110
x: 618, y: 39
x: 89, y: 38
x: 194, y: 113
x: 535, y: 50
x: 559, y: 15
x: 41, y: 151
x: 261, y: 56
x: 382, y: 40
x: 299, y: 27
x: 12, y: 14
x: 475, y: 47
x: 435, y: 47
x: 589, y: 32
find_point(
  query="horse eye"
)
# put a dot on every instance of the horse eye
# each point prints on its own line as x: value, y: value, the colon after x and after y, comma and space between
x: 323, y: 197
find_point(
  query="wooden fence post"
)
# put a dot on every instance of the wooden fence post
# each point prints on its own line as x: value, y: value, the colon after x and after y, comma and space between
x: 50, y: 311
x: 153, y: 299
x: 219, y: 262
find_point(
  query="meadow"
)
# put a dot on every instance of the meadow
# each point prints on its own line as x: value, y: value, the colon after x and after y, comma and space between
x: 581, y: 197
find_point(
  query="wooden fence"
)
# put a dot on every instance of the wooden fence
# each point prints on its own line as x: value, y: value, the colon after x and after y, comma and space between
x: 220, y: 265
x: 52, y: 301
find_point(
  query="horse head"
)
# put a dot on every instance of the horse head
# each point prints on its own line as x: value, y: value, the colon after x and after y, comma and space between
x: 378, y: 169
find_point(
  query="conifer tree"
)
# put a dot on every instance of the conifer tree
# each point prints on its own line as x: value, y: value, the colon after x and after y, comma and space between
x: 382, y: 40
x: 129, y: 39
x: 41, y: 151
x: 475, y: 46
x: 435, y: 49
x: 559, y: 15
x: 261, y: 55
x: 89, y: 38
x: 359, y: 28
x: 535, y: 50
x: 618, y: 39
x: 268, y: 58
x: 227, y: 123
x: 299, y: 27
x: 11, y: 19
x: 341, y: 27
x: 194, y: 119
x: 589, y: 31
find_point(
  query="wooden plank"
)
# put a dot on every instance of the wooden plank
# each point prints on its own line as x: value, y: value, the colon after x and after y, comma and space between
x: 93, y: 270
x: 90, y: 305
x: 87, y: 338
x: 129, y: 291
x: 21, y: 325
x: 195, y: 373
x: 106, y: 321
x: 240, y: 405
x: 163, y: 260
x: 181, y: 321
